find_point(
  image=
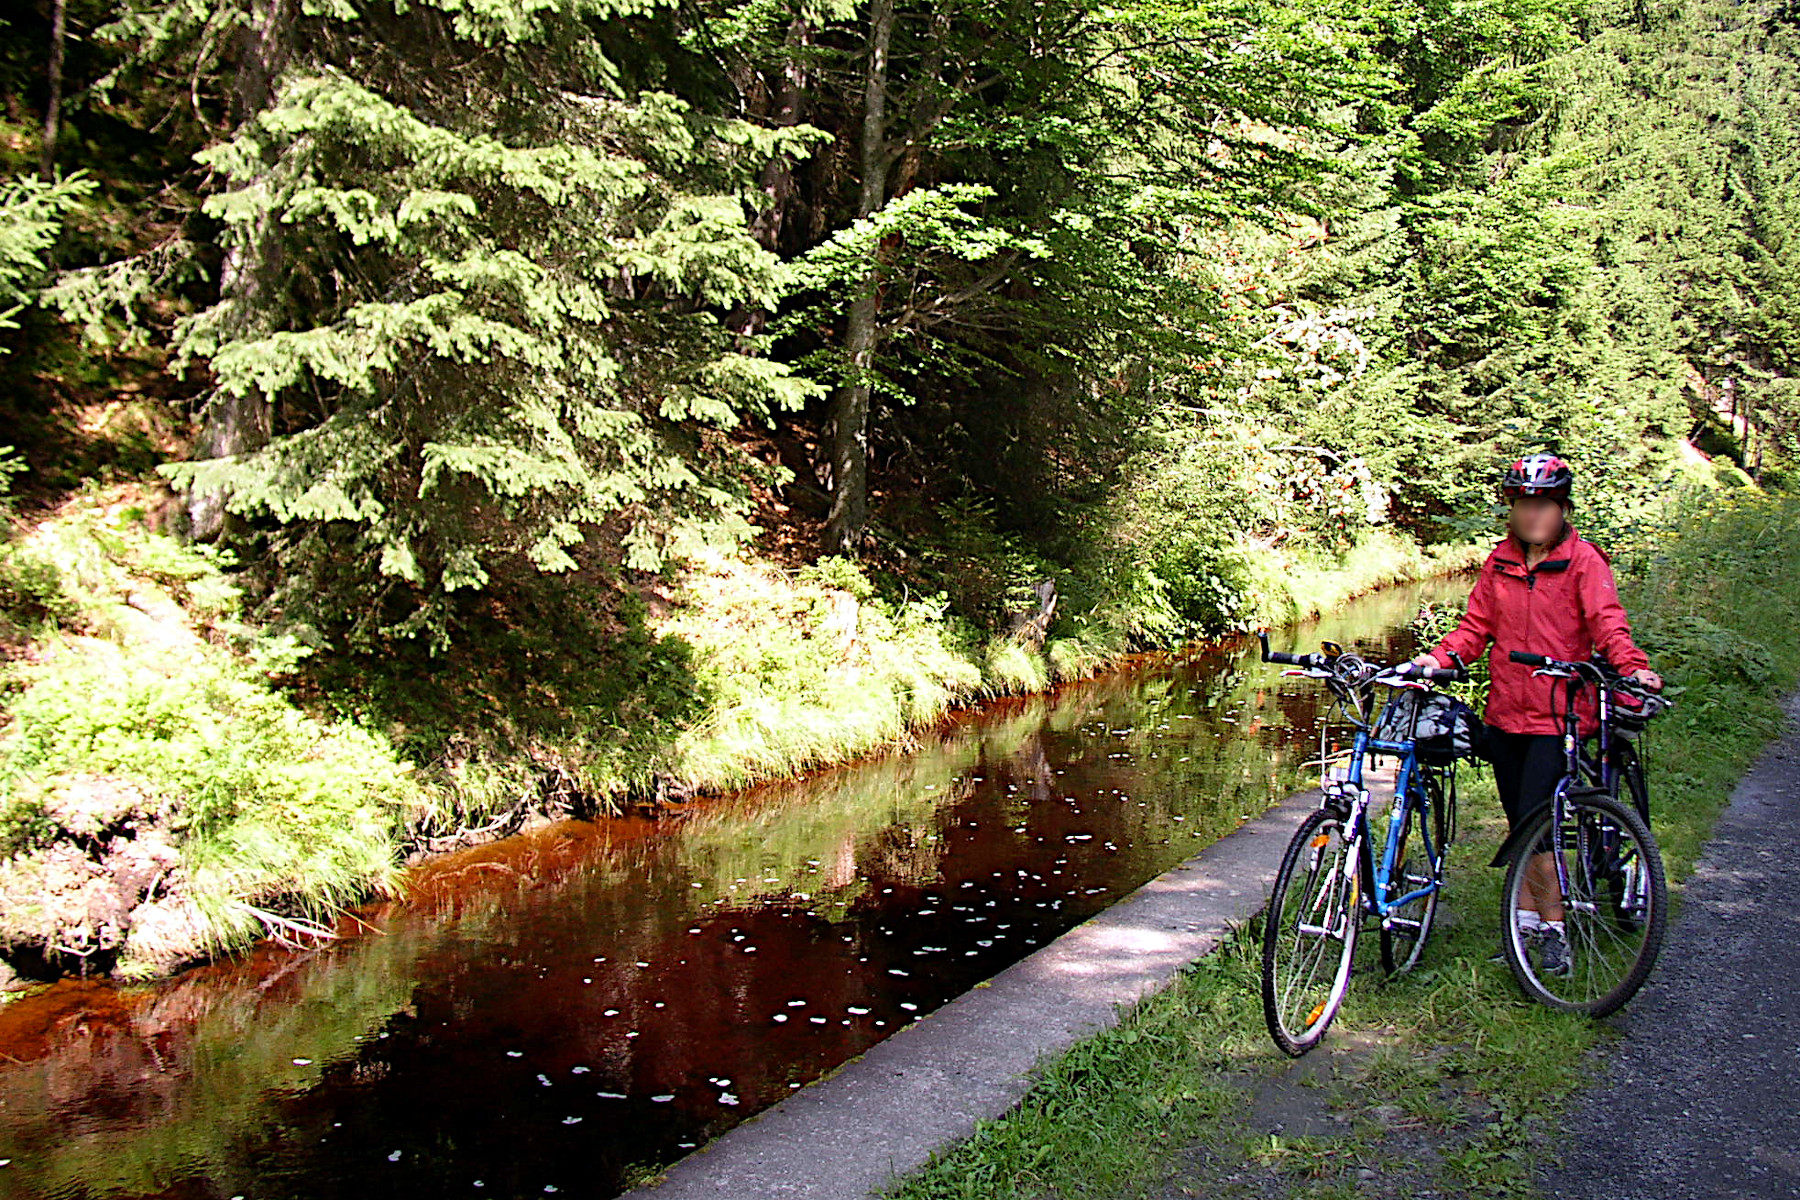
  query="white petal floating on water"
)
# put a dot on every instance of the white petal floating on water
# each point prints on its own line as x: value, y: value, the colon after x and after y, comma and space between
x: 780, y: 1017
x: 611, y: 1012
x: 571, y: 1120
x: 796, y: 1004
x: 896, y: 971
x: 578, y: 1070
x: 695, y: 929
x: 858, y: 1012
x: 298, y: 1062
x: 394, y: 1157
x: 515, y: 1054
x: 662, y: 1099
x: 544, y: 1079
x: 610, y: 1095
x: 817, y: 1020
x: 727, y: 1098
x: 910, y: 1007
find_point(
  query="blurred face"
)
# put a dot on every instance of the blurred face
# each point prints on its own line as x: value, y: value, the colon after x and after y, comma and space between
x: 1536, y: 519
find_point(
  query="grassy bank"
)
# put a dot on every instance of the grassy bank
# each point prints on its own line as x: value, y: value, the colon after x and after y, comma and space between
x: 1442, y: 1080
x: 176, y: 781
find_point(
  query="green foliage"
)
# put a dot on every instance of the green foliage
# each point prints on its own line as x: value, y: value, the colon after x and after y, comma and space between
x: 459, y: 339
x: 31, y: 217
x: 271, y: 810
x: 269, y: 805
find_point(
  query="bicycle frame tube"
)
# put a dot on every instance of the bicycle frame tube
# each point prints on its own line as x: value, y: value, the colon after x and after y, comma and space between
x: 1572, y: 768
x: 1406, y: 792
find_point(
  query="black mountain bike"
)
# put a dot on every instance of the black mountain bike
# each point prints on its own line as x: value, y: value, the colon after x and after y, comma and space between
x: 1604, y: 858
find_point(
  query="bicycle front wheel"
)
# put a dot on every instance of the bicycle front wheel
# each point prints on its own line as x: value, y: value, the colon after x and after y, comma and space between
x: 1309, y: 933
x: 1615, y: 907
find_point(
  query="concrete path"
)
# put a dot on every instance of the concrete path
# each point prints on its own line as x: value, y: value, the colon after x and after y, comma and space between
x: 923, y: 1089
x: 1702, y: 1099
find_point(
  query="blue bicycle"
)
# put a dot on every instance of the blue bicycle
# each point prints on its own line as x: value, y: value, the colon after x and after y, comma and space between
x: 1330, y: 878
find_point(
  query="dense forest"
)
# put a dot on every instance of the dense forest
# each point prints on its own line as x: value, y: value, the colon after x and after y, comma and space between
x: 423, y: 413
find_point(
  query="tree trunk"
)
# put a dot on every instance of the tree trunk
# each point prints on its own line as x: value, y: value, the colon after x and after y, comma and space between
x: 849, y: 442
x: 243, y: 424
x: 53, y: 110
x: 778, y: 183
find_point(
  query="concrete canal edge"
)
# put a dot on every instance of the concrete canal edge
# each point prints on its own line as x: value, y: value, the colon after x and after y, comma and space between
x: 923, y: 1089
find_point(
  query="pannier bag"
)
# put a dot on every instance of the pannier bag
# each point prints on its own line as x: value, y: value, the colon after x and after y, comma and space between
x: 1441, y: 727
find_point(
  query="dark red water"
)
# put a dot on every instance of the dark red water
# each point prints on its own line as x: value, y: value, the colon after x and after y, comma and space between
x: 570, y: 1011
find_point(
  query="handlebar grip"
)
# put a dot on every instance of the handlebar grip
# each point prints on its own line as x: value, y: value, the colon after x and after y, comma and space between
x: 1530, y: 660
x: 1447, y: 674
x: 1277, y: 656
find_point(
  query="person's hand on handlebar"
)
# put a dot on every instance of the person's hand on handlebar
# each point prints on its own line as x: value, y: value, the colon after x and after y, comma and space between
x: 1428, y: 661
x: 1648, y: 678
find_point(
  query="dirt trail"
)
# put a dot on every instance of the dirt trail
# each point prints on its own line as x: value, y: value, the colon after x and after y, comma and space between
x: 1702, y: 1097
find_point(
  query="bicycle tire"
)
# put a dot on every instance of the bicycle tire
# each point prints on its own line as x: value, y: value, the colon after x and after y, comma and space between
x: 1629, y: 779
x: 1401, y: 948
x: 1319, y: 868
x: 1594, y: 948
x: 1440, y: 787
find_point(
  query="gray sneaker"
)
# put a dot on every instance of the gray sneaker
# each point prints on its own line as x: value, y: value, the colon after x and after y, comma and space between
x: 1553, y: 952
x: 1530, y: 935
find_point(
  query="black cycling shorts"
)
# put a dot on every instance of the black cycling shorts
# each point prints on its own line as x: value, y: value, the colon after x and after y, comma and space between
x: 1526, y: 769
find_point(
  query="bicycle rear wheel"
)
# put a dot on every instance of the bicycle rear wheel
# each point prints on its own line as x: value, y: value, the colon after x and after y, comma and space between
x: 1309, y: 933
x: 1631, y: 783
x: 1440, y: 785
x: 1405, y: 930
x: 1614, y: 912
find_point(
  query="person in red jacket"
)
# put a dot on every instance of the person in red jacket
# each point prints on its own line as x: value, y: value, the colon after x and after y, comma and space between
x: 1547, y: 591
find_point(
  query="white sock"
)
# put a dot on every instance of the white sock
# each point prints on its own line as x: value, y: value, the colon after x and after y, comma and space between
x: 1556, y: 925
x: 1528, y: 919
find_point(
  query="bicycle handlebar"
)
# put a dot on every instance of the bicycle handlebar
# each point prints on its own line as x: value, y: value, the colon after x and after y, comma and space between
x: 1599, y: 671
x: 1322, y: 662
x: 1291, y: 660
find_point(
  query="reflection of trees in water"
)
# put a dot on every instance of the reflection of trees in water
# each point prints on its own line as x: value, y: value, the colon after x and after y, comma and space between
x: 188, y: 1074
x: 911, y: 852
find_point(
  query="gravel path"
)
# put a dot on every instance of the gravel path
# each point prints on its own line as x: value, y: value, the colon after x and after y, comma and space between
x: 1702, y: 1098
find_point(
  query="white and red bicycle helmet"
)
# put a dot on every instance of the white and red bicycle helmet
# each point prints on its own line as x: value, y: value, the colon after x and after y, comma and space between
x: 1538, y: 475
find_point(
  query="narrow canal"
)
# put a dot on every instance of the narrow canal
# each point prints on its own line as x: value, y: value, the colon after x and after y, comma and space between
x: 570, y: 1011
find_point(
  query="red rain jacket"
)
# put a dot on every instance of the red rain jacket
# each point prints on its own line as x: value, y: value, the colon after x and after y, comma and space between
x: 1567, y: 607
